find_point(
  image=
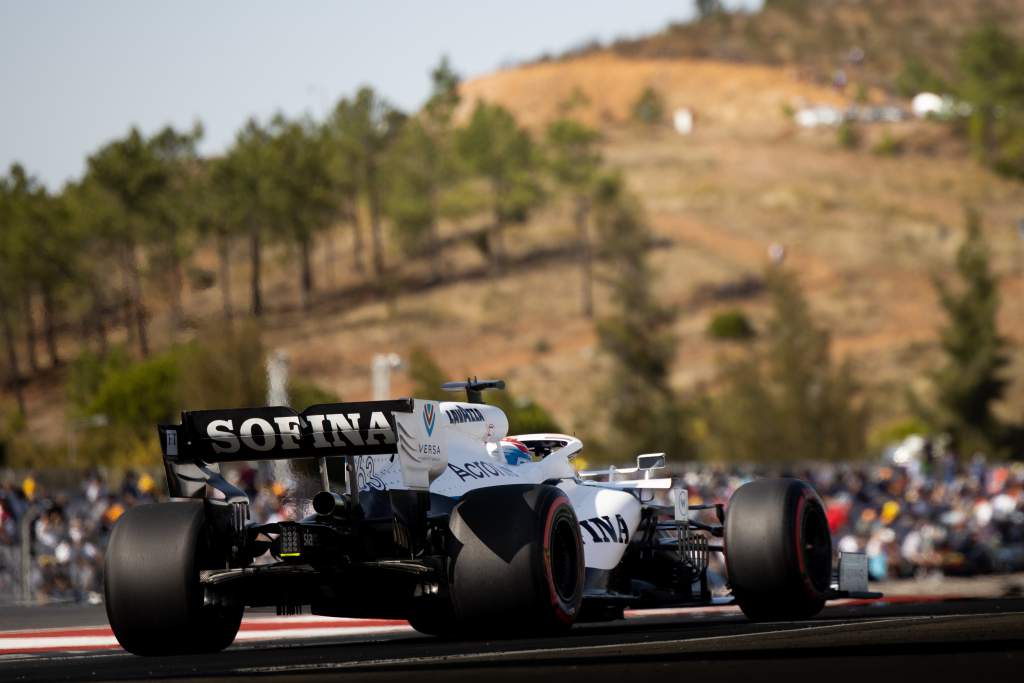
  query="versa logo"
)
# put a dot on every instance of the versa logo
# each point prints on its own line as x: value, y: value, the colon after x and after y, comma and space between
x: 429, y: 418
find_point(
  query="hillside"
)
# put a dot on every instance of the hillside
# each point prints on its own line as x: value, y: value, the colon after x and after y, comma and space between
x: 603, y: 88
x: 867, y: 234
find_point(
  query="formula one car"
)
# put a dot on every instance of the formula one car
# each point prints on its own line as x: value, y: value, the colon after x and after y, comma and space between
x: 444, y: 521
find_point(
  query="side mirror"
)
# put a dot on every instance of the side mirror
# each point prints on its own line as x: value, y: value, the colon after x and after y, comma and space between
x: 650, y: 461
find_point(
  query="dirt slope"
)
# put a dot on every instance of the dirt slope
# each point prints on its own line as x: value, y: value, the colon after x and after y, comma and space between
x: 745, y: 96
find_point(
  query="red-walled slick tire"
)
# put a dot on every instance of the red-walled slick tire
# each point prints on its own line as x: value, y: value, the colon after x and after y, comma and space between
x: 778, y: 550
x: 516, y: 562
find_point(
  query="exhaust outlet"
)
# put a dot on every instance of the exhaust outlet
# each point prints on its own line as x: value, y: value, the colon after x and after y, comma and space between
x: 328, y: 503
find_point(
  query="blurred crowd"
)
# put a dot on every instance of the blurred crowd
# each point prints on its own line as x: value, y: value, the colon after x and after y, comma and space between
x: 930, y: 518
x: 913, y: 517
x: 931, y: 515
x: 68, y: 528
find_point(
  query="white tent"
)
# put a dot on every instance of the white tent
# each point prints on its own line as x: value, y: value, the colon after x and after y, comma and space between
x: 682, y: 120
x: 927, y: 104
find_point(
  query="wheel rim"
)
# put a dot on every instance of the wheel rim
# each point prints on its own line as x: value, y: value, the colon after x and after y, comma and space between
x: 816, y: 547
x: 564, y: 559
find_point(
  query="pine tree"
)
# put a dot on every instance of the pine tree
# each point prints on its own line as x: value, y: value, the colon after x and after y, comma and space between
x: 44, y: 254
x: 644, y: 413
x: 422, y: 169
x: 244, y: 180
x: 138, y: 177
x: 362, y: 130
x: 171, y: 234
x: 972, y: 379
x: 9, y: 209
x: 574, y: 160
x: 206, y: 192
x: 785, y: 399
x: 303, y: 203
x: 498, y: 150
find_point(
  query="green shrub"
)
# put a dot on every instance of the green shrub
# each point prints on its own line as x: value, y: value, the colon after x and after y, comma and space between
x: 220, y: 369
x: 139, y: 396
x: 848, y: 135
x: 732, y: 324
x: 87, y: 372
x: 861, y: 96
x: 893, y: 432
x: 649, y: 107
x: 888, y: 146
x: 577, y: 99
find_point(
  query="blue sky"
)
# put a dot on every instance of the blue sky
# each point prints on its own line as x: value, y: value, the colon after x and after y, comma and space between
x: 75, y: 74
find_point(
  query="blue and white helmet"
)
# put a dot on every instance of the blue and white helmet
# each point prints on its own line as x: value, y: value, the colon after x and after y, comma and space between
x: 515, y: 451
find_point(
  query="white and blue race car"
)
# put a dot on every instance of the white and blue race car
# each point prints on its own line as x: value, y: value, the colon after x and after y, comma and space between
x: 444, y: 520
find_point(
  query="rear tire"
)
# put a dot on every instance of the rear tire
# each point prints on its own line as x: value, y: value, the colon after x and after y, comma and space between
x: 778, y: 550
x: 516, y: 563
x: 151, y: 583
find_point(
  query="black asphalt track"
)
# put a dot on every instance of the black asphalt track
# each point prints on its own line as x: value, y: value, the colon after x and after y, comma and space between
x: 972, y: 641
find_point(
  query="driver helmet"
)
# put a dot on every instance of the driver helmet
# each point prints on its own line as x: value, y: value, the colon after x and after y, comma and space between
x: 515, y: 451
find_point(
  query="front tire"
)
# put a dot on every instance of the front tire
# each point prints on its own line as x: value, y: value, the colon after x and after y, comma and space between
x: 517, y: 562
x: 778, y: 550
x: 151, y: 583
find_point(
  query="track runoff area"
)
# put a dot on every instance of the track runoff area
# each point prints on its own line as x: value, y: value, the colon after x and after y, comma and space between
x: 894, y: 638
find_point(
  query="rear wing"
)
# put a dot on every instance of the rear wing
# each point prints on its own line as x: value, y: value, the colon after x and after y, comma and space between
x: 408, y: 428
x: 279, y: 432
